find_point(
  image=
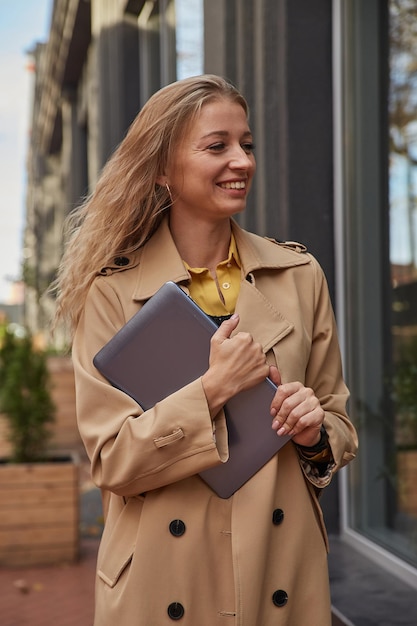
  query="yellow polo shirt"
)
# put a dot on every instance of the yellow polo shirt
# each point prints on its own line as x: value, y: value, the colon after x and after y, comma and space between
x: 217, y: 297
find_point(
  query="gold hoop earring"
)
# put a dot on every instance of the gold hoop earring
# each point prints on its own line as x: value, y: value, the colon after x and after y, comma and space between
x: 169, y: 193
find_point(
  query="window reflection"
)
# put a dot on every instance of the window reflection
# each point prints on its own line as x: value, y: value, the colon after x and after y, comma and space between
x: 403, y: 258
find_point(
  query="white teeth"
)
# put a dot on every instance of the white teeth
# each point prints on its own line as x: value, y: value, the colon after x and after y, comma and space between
x: 239, y: 184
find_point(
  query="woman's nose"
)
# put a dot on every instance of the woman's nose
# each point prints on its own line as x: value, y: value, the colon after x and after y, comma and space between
x: 241, y: 159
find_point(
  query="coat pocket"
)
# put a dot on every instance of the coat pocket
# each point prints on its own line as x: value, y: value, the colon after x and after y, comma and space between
x: 117, y: 552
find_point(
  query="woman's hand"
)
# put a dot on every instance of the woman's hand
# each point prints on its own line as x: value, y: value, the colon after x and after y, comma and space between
x: 235, y: 364
x: 296, y: 411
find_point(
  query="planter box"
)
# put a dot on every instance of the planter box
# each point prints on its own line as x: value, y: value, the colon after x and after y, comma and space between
x: 39, y: 513
x: 407, y: 481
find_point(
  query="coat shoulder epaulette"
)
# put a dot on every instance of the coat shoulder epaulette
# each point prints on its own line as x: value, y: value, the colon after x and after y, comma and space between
x: 290, y: 245
x: 119, y: 264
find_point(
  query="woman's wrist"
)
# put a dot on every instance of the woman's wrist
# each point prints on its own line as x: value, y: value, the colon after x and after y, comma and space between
x: 214, y: 394
x: 321, y: 445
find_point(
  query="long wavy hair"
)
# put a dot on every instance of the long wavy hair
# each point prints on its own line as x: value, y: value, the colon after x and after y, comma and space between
x: 127, y: 204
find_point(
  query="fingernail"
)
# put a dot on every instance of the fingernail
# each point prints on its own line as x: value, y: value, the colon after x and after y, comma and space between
x: 281, y: 431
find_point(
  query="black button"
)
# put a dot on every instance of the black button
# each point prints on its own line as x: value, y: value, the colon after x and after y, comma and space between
x: 277, y: 517
x: 280, y: 597
x: 121, y: 261
x: 177, y: 527
x: 175, y: 611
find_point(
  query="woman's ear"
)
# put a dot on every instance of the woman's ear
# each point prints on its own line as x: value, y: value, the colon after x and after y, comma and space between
x: 161, y: 180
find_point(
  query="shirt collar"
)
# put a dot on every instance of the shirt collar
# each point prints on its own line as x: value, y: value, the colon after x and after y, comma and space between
x: 232, y: 256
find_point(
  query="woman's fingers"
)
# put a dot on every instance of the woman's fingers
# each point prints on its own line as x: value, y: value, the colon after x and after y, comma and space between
x: 295, y: 408
x: 235, y: 364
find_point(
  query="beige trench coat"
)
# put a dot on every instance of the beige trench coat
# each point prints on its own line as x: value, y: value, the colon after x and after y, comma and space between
x: 171, y: 549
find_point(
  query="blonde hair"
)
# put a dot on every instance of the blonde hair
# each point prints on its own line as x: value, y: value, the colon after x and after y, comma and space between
x: 127, y: 204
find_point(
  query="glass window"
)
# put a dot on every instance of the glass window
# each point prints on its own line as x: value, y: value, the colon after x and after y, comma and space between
x: 403, y: 261
x: 171, y: 42
x: 189, y: 37
x: 380, y: 239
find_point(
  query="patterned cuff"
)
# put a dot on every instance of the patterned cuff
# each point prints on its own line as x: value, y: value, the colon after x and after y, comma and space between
x: 317, y: 461
x: 315, y: 474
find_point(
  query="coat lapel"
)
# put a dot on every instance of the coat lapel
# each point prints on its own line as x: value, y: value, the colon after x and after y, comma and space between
x: 259, y: 317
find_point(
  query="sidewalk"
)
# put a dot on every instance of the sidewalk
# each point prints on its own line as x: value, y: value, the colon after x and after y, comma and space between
x: 50, y: 596
x: 61, y: 595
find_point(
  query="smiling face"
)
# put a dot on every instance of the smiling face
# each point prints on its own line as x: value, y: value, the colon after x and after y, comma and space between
x: 212, y: 170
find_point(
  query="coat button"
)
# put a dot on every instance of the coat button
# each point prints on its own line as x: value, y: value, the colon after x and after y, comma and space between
x: 177, y: 527
x: 280, y: 597
x: 121, y: 261
x: 277, y: 517
x: 175, y: 611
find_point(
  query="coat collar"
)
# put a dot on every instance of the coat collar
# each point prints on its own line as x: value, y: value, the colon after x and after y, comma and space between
x: 263, y: 253
x: 255, y: 253
x: 152, y: 273
x: 257, y: 314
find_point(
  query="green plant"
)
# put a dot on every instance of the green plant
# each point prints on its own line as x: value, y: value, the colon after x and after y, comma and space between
x: 25, y: 399
x: 404, y: 392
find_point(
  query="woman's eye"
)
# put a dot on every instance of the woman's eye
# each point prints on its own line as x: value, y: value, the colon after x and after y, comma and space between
x: 216, y: 147
x: 248, y: 147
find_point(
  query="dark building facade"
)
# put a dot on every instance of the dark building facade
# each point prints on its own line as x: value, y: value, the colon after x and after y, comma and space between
x: 332, y: 94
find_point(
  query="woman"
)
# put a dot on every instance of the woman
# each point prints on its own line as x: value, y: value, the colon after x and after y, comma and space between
x: 172, y: 550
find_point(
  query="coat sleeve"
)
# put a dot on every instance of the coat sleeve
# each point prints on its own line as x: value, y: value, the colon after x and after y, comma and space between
x: 132, y: 451
x: 324, y: 375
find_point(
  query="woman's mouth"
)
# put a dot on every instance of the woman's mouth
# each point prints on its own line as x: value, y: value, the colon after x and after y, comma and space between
x: 234, y: 184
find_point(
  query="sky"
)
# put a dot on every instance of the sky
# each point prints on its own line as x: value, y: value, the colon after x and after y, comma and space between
x: 22, y: 24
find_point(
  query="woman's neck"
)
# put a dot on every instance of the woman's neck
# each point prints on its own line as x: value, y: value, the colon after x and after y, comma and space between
x: 202, y: 244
